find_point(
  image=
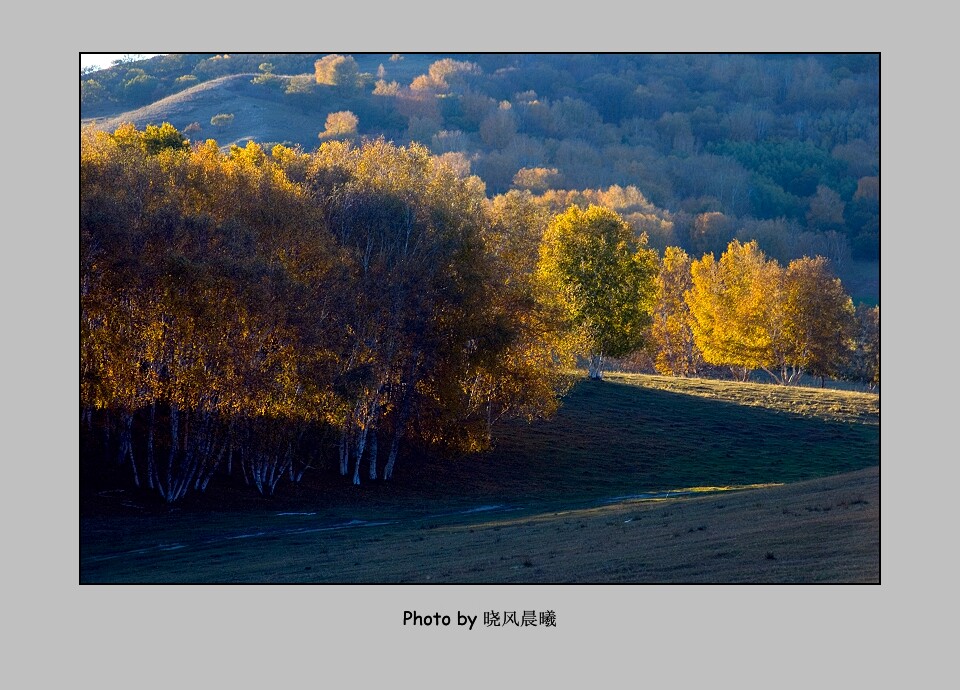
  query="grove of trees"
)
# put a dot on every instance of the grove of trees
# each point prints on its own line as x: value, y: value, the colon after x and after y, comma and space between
x: 748, y: 313
x: 260, y: 314
x: 251, y: 310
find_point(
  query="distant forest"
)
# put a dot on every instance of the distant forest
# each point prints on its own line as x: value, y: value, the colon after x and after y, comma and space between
x: 778, y: 148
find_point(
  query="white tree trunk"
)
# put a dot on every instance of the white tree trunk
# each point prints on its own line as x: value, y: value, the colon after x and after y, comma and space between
x: 373, y: 456
x: 361, y: 445
x: 126, y: 444
x: 392, y: 457
x: 167, y: 490
x: 150, y: 468
x: 596, y: 367
x: 344, y: 453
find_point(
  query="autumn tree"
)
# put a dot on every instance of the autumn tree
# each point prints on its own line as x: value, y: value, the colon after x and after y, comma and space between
x: 337, y: 70
x: 442, y: 75
x: 711, y: 232
x: 732, y: 302
x: 193, y: 287
x: 818, y: 318
x: 536, y: 179
x: 165, y: 136
x: 532, y: 370
x: 340, y: 124
x: 672, y: 341
x: 750, y: 313
x: 222, y: 120
x: 864, y: 362
x: 826, y: 209
x: 437, y: 323
x: 499, y: 128
x: 602, y: 277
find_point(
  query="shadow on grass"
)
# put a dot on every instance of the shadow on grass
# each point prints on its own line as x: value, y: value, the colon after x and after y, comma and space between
x: 609, y: 439
x: 612, y: 438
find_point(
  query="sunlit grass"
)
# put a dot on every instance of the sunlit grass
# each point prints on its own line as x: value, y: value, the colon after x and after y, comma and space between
x: 824, y: 403
x: 598, y: 511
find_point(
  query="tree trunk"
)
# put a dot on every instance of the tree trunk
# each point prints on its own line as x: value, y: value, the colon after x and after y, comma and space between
x: 126, y: 444
x: 167, y: 492
x: 596, y: 367
x: 392, y: 456
x: 361, y: 445
x: 344, y: 453
x: 105, y: 426
x: 247, y: 474
x: 373, y: 456
x: 150, y: 468
x: 398, y: 431
x: 230, y: 448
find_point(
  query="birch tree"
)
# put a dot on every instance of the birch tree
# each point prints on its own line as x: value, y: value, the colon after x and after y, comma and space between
x: 601, y: 276
x: 819, y: 319
x: 675, y: 350
x: 732, y: 303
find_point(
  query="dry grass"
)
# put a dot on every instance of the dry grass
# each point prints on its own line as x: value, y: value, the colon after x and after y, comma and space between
x: 824, y: 530
x: 828, y: 404
x: 554, y: 499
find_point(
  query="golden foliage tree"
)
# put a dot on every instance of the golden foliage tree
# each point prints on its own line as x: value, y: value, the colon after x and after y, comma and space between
x: 336, y: 70
x: 819, y: 319
x: 672, y: 340
x: 340, y: 124
x: 864, y: 362
x: 750, y: 313
x: 601, y: 277
x: 732, y: 302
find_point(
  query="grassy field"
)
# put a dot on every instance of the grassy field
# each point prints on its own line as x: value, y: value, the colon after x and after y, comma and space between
x: 637, y: 479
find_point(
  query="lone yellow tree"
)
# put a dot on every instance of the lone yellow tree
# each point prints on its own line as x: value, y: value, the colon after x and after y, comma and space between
x: 601, y: 276
x: 340, y: 124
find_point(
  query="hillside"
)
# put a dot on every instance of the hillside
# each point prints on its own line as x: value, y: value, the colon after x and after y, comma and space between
x: 264, y: 115
x: 259, y: 115
x: 779, y: 148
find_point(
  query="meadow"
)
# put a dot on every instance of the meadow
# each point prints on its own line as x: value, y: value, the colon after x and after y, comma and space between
x: 638, y: 479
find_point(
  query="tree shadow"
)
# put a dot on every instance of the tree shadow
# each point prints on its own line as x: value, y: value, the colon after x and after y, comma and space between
x: 613, y: 438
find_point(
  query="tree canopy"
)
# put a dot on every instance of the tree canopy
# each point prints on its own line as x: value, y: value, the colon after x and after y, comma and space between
x: 261, y: 313
x: 748, y: 313
x: 277, y: 304
x: 601, y: 276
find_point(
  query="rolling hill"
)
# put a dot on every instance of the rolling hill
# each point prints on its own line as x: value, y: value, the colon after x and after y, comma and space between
x: 779, y: 148
x: 258, y: 115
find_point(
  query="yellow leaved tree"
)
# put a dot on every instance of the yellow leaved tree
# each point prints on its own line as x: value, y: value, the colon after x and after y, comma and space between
x: 732, y: 305
x: 675, y: 351
x: 749, y: 313
x: 601, y: 276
